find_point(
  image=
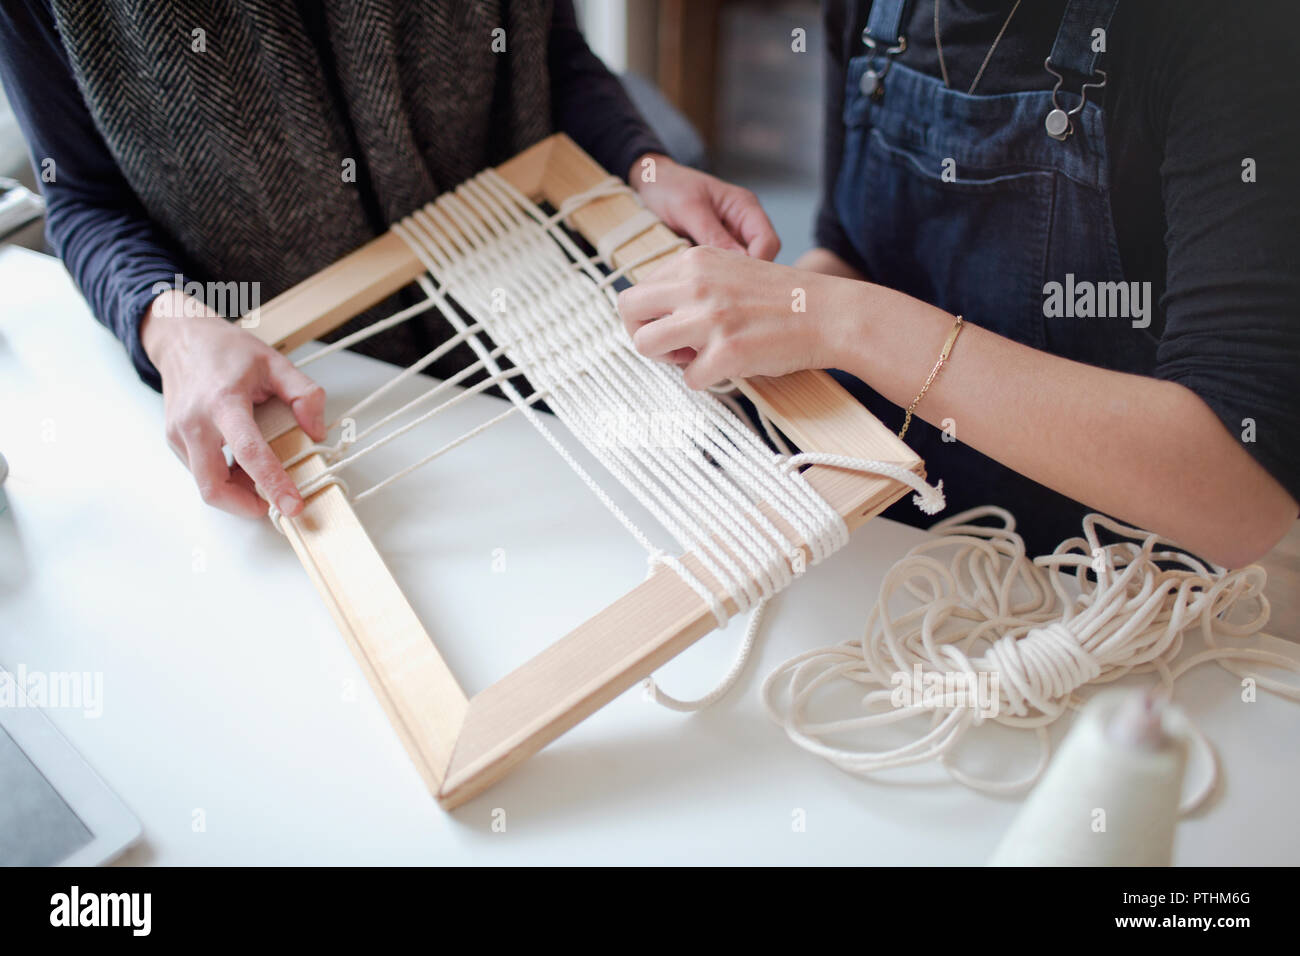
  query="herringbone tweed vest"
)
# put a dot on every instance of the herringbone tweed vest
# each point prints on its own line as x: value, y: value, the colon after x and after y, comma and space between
x: 220, y: 114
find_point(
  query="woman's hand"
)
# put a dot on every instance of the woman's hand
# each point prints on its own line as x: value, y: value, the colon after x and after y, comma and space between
x: 723, y: 315
x: 703, y: 207
x: 213, y: 373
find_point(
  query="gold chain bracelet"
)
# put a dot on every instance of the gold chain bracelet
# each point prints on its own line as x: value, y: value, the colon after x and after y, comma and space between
x: 943, y: 357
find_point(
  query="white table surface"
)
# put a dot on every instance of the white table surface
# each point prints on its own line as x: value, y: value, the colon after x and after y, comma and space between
x: 229, y: 696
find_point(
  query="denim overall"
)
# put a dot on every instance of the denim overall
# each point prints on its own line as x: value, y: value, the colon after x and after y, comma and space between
x: 966, y: 202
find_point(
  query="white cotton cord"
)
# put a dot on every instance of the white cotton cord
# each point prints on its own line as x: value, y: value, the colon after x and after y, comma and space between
x: 315, y: 483
x: 517, y: 209
x: 431, y: 255
x: 729, y: 679
x: 610, y: 186
x: 608, y: 323
x: 434, y: 391
x: 717, y: 606
x: 497, y: 379
x: 627, y: 230
x: 729, y: 399
x: 990, y: 635
x: 928, y: 499
x: 411, y: 371
x: 610, y: 329
x: 517, y: 290
x: 717, y: 561
x: 732, y: 426
x: 644, y: 259
x: 439, y: 452
x: 774, y: 436
x: 275, y: 514
x: 370, y: 330
x: 332, y: 453
x: 338, y: 465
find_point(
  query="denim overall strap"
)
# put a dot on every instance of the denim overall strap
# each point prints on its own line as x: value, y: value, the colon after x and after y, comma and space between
x: 1073, y: 49
x: 885, y: 25
x: 965, y: 202
x: 884, y: 40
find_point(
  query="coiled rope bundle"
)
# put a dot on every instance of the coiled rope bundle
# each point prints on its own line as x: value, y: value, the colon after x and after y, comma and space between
x: 1038, y: 631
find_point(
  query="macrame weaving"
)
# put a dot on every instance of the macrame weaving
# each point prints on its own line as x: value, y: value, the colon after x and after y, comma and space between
x: 541, y: 310
x: 538, y: 318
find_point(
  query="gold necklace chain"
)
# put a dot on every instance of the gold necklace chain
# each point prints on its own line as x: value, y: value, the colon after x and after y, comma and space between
x: 943, y: 67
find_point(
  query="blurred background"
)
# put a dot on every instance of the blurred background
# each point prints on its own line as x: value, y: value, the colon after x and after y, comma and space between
x: 21, y: 221
x: 731, y: 86
x: 718, y: 79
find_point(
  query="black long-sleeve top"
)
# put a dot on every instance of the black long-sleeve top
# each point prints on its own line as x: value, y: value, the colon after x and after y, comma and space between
x: 1196, y: 88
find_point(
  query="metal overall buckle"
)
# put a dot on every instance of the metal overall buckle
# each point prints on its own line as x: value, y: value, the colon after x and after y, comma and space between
x: 873, y: 81
x: 1059, y: 123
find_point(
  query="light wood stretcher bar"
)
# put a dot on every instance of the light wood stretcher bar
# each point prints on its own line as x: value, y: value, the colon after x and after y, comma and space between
x: 463, y: 745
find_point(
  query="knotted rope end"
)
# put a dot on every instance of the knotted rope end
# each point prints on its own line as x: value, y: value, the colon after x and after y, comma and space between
x: 931, y: 499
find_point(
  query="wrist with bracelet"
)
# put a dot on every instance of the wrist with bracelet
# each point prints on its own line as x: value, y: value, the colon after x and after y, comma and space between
x: 934, y: 372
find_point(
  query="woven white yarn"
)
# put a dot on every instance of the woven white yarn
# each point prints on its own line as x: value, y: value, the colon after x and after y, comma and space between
x: 532, y: 306
x: 928, y: 498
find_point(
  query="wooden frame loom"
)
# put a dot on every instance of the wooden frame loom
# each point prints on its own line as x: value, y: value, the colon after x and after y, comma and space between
x: 462, y: 745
